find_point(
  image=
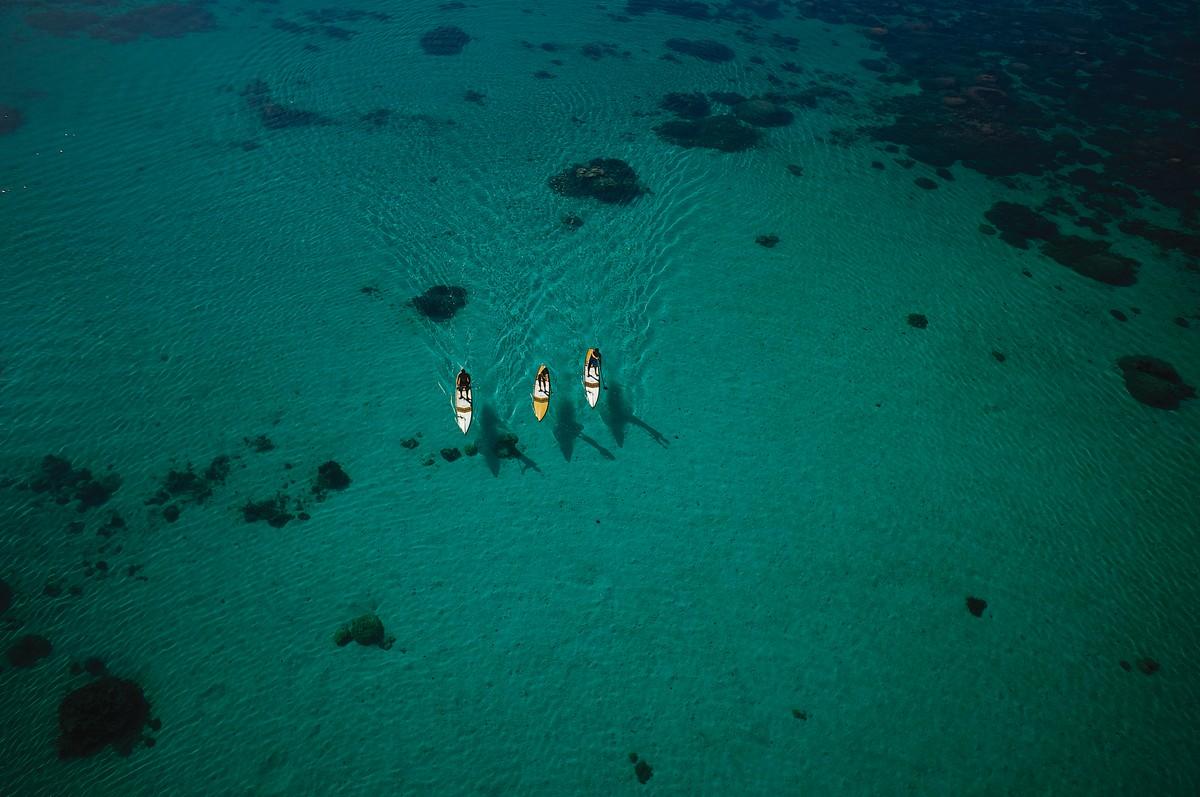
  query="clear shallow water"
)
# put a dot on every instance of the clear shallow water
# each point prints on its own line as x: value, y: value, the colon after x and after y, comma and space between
x: 780, y: 506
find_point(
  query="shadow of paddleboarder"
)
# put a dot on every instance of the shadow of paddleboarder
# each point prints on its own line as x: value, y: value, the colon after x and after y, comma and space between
x: 496, y: 443
x: 617, y: 413
x: 568, y: 429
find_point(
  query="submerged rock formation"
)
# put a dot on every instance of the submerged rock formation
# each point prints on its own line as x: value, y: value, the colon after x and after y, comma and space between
x: 108, y: 711
x: 1092, y: 259
x: 445, y: 40
x: 366, y: 630
x: 66, y: 483
x: 608, y: 180
x: 691, y: 105
x: 330, y: 476
x: 1154, y: 382
x: 441, y: 302
x: 724, y: 133
x: 28, y: 650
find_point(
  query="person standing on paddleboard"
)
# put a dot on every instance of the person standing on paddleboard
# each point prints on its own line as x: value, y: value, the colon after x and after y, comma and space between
x: 593, y: 364
x: 463, y: 384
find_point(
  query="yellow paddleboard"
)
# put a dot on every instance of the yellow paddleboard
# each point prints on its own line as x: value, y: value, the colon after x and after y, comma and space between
x: 541, y: 393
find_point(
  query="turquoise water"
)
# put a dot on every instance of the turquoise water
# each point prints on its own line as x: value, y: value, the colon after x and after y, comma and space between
x: 748, y: 565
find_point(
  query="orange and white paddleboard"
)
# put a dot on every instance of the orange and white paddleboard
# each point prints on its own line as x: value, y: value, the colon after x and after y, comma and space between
x: 541, y: 392
x: 591, y: 384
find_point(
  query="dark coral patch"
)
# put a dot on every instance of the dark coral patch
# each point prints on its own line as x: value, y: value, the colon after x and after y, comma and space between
x: 598, y: 50
x: 917, y: 321
x: 186, y: 484
x: 724, y: 133
x: 441, y: 302
x: 445, y: 40
x: 108, y: 711
x: 1163, y: 237
x: 272, y: 510
x: 1154, y: 382
x: 160, y: 21
x: 1148, y: 666
x: 1117, y: 314
x: 1092, y: 259
x: 262, y: 444
x: 769, y: 241
x: 277, y: 116
x: 113, y: 525
x: 1019, y: 223
x: 704, y: 49
x: 330, y: 476
x: 688, y: 105
x: 63, y: 22
x: 925, y: 183
x: 608, y: 180
x: 66, y: 483
x: 96, y: 492
x: 450, y: 454
x: 28, y: 650
x: 976, y: 606
x: 367, y: 630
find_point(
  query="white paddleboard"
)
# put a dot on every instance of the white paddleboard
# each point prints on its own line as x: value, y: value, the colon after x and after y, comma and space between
x: 541, y: 395
x: 591, y: 385
x: 463, y: 409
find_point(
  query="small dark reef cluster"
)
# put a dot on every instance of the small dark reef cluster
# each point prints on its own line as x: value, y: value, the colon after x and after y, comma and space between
x: 445, y: 40
x: 441, y: 302
x: 608, y: 180
x: 108, y: 711
x: 65, y: 483
x: 366, y: 630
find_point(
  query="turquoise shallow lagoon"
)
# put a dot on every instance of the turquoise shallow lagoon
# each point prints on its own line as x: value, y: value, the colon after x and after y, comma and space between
x: 748, y: 567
